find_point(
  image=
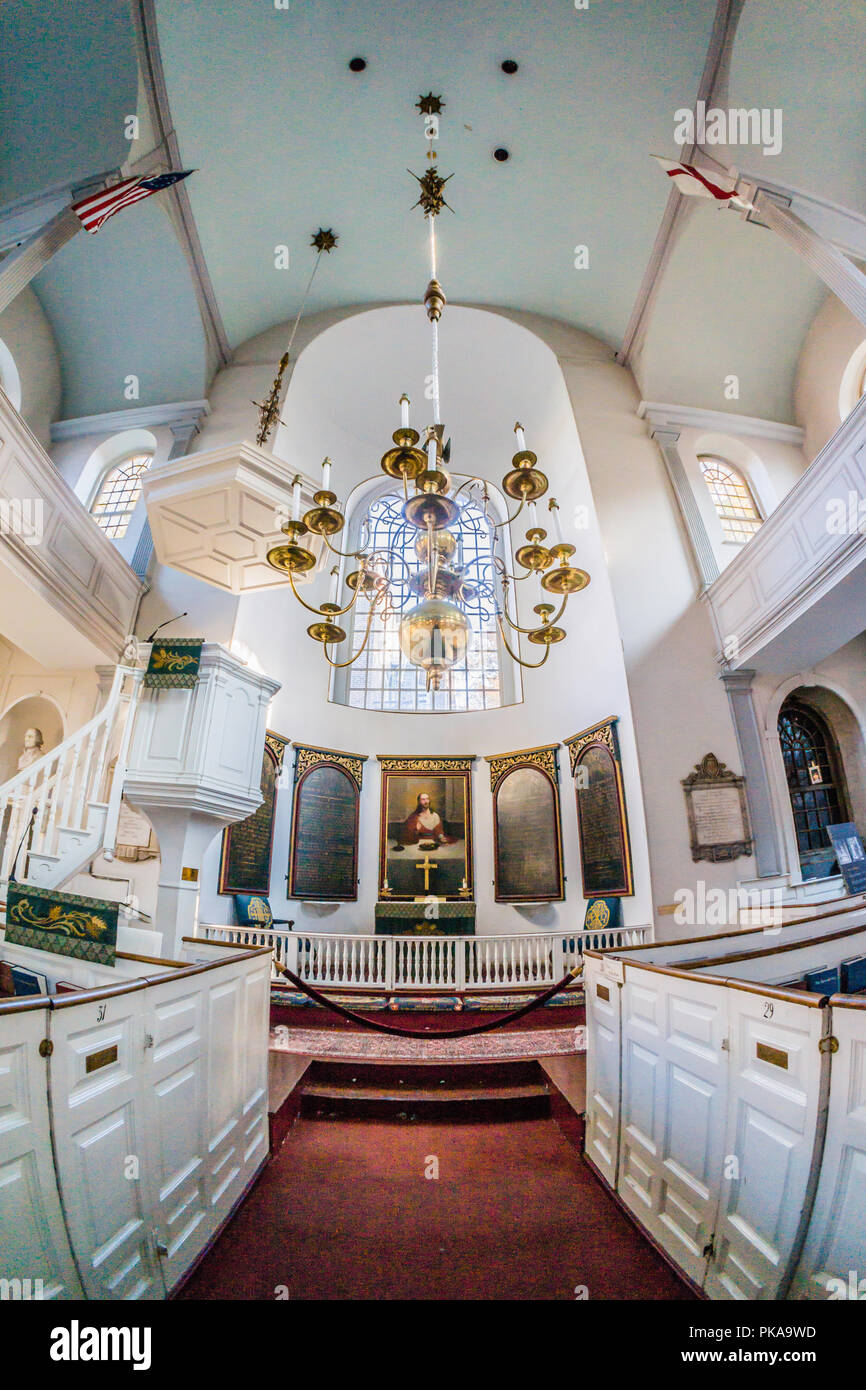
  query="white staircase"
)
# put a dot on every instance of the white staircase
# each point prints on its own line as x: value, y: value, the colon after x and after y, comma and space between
x: 59, y: 813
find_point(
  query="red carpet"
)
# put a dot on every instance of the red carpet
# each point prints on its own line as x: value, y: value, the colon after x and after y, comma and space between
x: 345, y: 1212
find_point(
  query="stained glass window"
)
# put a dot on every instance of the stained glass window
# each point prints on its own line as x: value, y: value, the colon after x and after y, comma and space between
x: 732, y: 499
x: 118, y: 496
x: 814, y: 779
x: 382, y: 678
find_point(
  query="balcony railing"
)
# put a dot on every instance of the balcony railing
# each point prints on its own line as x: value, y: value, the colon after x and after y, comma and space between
x: 793, y: 594
x: 429, y: 964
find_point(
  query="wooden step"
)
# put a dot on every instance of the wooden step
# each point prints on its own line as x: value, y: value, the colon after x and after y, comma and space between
x: 461, y: 1092
x: 406, y: 1096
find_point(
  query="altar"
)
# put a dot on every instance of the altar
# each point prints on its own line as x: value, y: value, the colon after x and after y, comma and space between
x: 411, y: 919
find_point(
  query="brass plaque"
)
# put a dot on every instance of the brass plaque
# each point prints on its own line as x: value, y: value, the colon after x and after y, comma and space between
x: 602, y: 991
x: 774, y: 1055
x: 189, y: 875
x: 104, y: 1058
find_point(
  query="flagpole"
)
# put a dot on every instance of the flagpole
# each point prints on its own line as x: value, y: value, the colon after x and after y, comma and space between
x: 21, y: 265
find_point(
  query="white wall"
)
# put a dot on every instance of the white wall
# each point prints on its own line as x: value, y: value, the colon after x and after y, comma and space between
x: 28, y: 336
x: 343, y: 401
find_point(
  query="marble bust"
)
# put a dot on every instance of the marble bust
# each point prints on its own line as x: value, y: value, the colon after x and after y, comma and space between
x: 33, y: 749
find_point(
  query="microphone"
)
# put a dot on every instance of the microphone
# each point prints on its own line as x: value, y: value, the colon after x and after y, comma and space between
x: 28, y: 827
x: 165, y: 624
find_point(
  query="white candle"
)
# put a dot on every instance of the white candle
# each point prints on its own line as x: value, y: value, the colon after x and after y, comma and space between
x: 385, y: 888
x: 404, y: 411
x: 431, y: 452
x: 296, y: 500
x: 521, y: 437
x: 553, y: 507
x: 533, y: 515
x: 335, y: 579
x: 326, y: 475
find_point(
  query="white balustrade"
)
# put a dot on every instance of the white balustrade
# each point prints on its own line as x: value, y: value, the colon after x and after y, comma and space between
x: 432, y: 964
x: 64, y: 806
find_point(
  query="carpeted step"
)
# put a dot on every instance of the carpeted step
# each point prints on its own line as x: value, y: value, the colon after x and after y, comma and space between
x: 499, y: 1091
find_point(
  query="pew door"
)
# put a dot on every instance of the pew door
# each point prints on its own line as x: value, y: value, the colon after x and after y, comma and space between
x: 602, y: 1068
x: 103, y: 1143
x: 33, y: 1245
x: 674, y: 1097
x: 778, y: 1085
x: 836, y: 1238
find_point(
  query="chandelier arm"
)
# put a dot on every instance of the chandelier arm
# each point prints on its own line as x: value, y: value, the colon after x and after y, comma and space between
x: 318, y: 611
x: 499, y: 565
x: 518, y: 628
x: 344, y: 554
x: 338, y: 665
x: 498, y: 525
x: 530, y: 665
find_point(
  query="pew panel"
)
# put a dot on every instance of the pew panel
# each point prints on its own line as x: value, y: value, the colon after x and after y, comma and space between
x: 33, y: 1236
x: 602, y: 1069
x: 836, y: 1240
x: 673, y: 1109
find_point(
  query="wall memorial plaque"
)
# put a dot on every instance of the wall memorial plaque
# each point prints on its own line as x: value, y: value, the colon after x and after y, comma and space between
x: 605, y: 852
x: 425, y: 837
x: 716, y: 809
x: 324, y: 855
x: 527, y: 844
x: 245, y: 862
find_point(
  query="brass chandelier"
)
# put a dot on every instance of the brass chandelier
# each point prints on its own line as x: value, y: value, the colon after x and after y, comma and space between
x: 435, y: 631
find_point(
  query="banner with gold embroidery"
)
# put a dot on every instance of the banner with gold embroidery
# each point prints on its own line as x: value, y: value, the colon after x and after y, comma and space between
x: 67, y: 924
x: 174, y: 664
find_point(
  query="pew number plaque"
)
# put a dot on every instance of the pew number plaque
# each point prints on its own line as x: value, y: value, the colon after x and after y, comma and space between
x: 717, y: 812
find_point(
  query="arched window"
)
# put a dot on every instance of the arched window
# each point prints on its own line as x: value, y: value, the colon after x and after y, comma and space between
x: 383, y: 678
x: 118, y: 495
x: 732, y: 498
x: 815, y: 783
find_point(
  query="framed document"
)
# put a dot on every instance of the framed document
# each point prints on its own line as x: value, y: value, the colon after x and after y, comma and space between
x: 245, y: 861
x: 527, y: 842
x: 324, y: 855
x: 425, y: 835
x: 717, y: 812
x: 605, y: 852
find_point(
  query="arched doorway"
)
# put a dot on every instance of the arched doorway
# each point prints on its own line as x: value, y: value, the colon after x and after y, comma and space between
x: 816, y: 783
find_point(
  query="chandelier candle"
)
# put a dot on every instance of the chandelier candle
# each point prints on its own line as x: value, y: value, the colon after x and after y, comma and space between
x: 326, y: 475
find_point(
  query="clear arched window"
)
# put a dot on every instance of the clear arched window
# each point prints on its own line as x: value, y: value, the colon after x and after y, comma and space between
x: 118, y: 495
x: 732, y: 498
x: 383, y: 678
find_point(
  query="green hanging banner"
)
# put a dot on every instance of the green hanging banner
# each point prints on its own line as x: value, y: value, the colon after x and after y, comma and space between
x: 65, y: 923
x: 174, y: 664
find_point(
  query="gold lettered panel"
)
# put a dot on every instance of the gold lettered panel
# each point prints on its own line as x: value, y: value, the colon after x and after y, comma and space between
x: 325, y: 809
x: 425, y: 831
x: 605, y: 850
x: 245, y: 861
x: 527, y: 839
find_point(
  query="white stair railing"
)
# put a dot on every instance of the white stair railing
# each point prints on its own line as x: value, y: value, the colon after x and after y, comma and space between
x: 433, y: 964
x: 65, y: 805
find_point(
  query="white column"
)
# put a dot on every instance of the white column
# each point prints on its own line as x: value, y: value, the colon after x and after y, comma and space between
x: 704, y: 554
x: 829, y: 264
x: 21, y: 265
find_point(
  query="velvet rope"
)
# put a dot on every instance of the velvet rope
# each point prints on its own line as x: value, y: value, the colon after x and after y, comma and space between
x: 487, y: 1027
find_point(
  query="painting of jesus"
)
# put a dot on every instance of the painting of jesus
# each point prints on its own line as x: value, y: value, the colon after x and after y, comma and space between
x: 425, y: 834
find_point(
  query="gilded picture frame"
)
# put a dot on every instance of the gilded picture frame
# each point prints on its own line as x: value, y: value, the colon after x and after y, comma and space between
x: 602, y: 819
x: 245, y: 866
x: 425, y: 828
x: 326, y: 801
x: 527, y: 830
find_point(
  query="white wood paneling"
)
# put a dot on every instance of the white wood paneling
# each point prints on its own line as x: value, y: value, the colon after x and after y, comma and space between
x: 836, y: 1240
x: 602, y: 1069
x: 674, y: 1091
x: 776, y: 1089
x: 33, y: 1243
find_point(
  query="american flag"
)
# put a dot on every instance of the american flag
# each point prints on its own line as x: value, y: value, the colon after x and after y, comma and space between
x: 98, y: 207
x: 694, y: 182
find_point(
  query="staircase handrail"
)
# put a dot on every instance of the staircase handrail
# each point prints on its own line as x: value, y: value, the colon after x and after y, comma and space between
x: 31, y: 773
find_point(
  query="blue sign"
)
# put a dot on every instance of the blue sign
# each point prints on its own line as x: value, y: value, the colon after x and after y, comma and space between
x: 851, y: 855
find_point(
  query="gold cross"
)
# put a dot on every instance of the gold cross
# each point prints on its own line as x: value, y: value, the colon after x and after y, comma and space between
x: 426, y: 864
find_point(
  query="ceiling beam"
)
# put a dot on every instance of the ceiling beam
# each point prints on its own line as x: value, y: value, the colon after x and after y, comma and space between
x: 177, y: 201
x: 714, y: 80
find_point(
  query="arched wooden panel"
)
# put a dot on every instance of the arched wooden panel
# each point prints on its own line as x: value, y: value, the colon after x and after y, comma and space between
x: 604, y: 849
x: 526, y: 836
x: 324, y: 855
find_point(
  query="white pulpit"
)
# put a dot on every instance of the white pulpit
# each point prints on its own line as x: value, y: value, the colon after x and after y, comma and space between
x: 194, y: 767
